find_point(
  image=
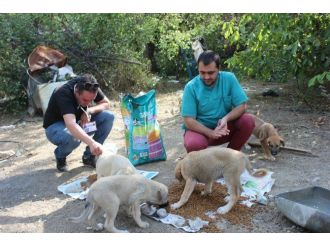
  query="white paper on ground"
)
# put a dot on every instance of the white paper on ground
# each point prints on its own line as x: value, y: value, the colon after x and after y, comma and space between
x: 189, y: 225
x: 254, y: 188
x: 74, y: 188
x: 148, y: 174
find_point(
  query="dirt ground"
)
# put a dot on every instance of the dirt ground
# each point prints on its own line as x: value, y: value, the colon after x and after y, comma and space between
x: 30, y: 201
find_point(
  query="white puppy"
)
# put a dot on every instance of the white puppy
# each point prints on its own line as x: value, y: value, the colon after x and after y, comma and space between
x: 109, y: 193
x: 109, y: 164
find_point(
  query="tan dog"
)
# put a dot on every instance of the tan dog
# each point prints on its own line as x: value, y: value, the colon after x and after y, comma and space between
x: 208, y: 165
x: 109, y: 164
x: 270, y: 140
x: 109, y: 193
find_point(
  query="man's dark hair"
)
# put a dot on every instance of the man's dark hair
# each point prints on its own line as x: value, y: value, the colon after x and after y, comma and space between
x: 86, y: 82
x: 208, y: 57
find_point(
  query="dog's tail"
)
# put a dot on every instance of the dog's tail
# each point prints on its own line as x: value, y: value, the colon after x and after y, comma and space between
x: 84, y: 215
x: 261, y: 172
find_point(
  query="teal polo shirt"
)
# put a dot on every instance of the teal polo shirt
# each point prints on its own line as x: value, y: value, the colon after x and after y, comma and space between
x: 208, y: 104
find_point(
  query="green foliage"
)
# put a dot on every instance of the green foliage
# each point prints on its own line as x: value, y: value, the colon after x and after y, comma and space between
x: 280, y: 46
x: 94, y: 43
x: 271, y: 47
x: 319, y: 79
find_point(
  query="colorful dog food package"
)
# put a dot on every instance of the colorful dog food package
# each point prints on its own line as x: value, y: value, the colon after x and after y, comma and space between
x: 144, y: 142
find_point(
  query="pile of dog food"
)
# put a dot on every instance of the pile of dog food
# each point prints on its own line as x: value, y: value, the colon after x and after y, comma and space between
x: 198, y: 205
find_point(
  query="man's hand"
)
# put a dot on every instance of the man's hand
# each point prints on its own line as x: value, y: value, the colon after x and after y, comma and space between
x: 85, y: 118
x: 96, y: 148
x: 220, y: 130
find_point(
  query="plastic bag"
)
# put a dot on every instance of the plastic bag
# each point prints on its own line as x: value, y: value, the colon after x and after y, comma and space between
x: 144, y: 142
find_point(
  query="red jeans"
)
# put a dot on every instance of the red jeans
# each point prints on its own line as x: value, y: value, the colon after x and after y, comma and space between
x: 240, y: 131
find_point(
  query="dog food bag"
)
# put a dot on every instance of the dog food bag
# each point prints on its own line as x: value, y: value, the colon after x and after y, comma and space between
x: 144, y: 142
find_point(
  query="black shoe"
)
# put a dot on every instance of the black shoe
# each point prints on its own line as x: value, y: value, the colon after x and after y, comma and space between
x: 89, y: 161
x: 61, y: 164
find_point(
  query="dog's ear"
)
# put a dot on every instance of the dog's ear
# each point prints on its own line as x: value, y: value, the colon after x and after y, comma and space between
x: 159, y: 196
x: 162, y: 195
x: 282, y: 142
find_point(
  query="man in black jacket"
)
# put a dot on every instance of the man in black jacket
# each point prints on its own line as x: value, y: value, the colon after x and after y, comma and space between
x: 76, y: 111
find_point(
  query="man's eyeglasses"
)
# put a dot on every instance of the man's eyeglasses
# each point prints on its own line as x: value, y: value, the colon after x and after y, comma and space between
x: 91, y: 86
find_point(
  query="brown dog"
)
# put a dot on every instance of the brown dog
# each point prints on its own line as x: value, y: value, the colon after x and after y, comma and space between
x: 270, y: 140
x: 208, y: 165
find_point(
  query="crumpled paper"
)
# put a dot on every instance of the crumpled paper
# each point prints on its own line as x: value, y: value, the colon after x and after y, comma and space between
x: 254, y: 188
x: 74, y: 188
x: 188, y: 225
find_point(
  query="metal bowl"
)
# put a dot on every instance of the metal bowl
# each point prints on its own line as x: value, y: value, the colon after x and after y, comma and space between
x: 309, y: 207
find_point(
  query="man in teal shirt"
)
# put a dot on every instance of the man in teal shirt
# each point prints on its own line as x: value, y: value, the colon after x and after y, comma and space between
x: 213, y: 107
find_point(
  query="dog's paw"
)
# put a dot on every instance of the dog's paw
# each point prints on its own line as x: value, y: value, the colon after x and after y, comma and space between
x: 271, y: 158
x: 114, y: 230
x: 175, y: 206
x: 121, y: 231
x: 222, y: 210
x: 99, y: 227
x: 227, y: 198
x: 144, y: 224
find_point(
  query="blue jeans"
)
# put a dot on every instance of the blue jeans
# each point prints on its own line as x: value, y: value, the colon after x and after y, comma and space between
x: 59, y: 135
